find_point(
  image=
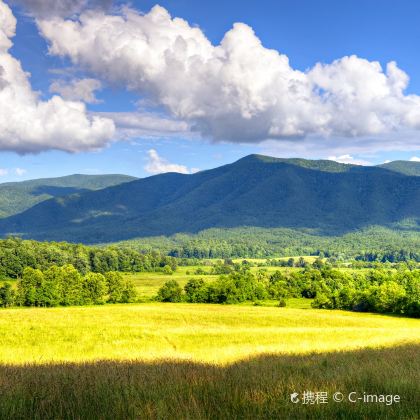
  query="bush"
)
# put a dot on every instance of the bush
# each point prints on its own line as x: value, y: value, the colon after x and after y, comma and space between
x: 167, y: 269
x: 282, y: 303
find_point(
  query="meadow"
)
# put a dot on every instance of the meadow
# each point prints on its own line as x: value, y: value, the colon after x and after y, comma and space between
x: 200, y: 333
x: 148, y: 283
x: 202, y: 361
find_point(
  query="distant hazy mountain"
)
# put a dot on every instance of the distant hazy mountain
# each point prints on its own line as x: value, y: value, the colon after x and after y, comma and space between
x: 254, y: 191
x: 16, y: 197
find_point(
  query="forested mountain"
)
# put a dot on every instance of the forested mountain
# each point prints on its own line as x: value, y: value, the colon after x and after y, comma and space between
x: 403, y: 167
x: 255, y: 191
x: 16, y: 197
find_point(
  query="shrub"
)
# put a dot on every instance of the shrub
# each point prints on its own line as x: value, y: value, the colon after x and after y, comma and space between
x: 282, y: 303
x: 167, y: 269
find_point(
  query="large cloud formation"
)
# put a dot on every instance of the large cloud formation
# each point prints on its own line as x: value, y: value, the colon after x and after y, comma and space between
x: 237, y: 91
x: 30, y: 125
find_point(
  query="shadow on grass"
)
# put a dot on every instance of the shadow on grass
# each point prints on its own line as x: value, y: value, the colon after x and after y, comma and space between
x: 256, y: 388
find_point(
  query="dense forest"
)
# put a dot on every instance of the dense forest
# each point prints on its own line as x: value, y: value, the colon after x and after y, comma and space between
x: 65, y: 286
x: 17, y: 254
x: 154, y: 254
x: 370, y: 244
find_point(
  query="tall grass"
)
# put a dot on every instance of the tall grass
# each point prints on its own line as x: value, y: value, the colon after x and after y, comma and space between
x: 256, y: 388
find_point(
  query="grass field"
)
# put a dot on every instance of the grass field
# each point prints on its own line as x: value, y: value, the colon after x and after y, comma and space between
x: 202, y: 361
x: 201, y: 333
x: 148, y: 283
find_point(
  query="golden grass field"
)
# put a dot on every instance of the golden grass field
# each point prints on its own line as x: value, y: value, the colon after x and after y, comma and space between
x: 195, y: 361
x: 196, y: 332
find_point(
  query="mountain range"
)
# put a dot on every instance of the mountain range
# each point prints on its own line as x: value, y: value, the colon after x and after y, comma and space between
x: 256, y: 190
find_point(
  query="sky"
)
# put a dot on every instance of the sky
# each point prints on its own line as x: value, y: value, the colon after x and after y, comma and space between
x: 139, y: 88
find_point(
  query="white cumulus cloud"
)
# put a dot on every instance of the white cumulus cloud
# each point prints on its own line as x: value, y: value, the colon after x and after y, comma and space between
x: 415, y: 159
x: 20, y: 171
x: 30, y: 125
x: 77, y: 90
x: 238, y: 91
x: 158, y: 165
x: 349, y: 159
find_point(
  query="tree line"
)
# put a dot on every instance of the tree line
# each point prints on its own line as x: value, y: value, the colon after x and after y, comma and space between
x: 383, y: 291
x: 65, y: 286
x: 17, y: 254
x: 370, y: 244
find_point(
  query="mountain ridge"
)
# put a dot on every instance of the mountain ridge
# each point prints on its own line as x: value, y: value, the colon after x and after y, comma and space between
x: 18, y: 196
x: 254, y: 191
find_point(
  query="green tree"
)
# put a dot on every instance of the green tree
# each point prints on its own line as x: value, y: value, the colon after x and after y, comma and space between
x: 52, y: 288
x: 28, y: 286
x: 115, y: 283
x: 72, y: 286
x: 170, y: 292
x: 94, y: 289
x: 7, y: 295
x: 196, y: 291
x: 388, y: 297
x: 129, y: 292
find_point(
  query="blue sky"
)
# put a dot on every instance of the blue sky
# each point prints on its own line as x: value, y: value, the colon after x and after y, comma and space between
x: 307, y: 32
